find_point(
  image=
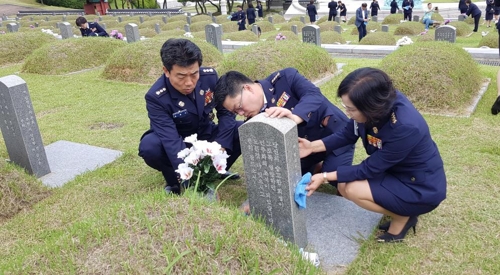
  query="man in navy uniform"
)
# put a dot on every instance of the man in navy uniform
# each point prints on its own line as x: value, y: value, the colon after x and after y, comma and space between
x: 90, y: 28
x: 361, y: 20
x: 407, y: 6
x: 287, y: 93
x: 180, y: 104
x: 240, y: 17
x: 333, y: 10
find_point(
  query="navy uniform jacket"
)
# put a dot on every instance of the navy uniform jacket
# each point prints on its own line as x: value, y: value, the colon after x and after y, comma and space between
x: 462, y: 6
x: 406, y: 151
x: 291, y: 90
x: 374, y: 7
x: 93, y: 25
x: 473, y: 10
x: 237, y: 16
x: 407, y: 3
x: 359, y: 17
x: 333, y: 8
x: 173, y: 116
x: 394, y: 6
x: 311, y: 11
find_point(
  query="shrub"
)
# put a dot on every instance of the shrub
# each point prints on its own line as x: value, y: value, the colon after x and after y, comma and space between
x: 392, y: 19
x: 331, y: 38
x: 70, y: 55
x: 409, y: 28
x: 327, y: 26
x: 490, y: 40
x: 369, y: 27
x: 442, y: 76
x: 72, y: 4
x: 263, y: 58
x: 288, y: 26
x: 140, y: 62
x: 13, y: 51
x: 272, y: 35
x: 245, y: 35
x: 463, y: 29
x: 378, y: 38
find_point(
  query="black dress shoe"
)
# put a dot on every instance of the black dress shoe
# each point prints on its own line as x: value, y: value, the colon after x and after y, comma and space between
x: 390, y: 238
x: 176, y: 190
x: 495, y: 109
x: 234, y: 176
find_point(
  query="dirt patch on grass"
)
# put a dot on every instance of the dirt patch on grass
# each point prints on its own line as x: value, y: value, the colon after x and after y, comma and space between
x: 18, y: 192
x: 105, y: 126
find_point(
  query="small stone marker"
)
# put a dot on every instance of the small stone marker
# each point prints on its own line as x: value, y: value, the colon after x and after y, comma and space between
x: 47, y: 18
x: 416, y: 18
x: 375, y: 18
x: 214, y: 19
x: 187, y: 28
x: 103, y: 25
x: 19, y: 127
x: 66, y: 30
x: 295, y: 29
x: 150, y: 14
x: 270, y: 18
x: 462, y: 17
x: 255, y: 29
x: 272, y: 170
x: 12, y: 27
x: 141, y: 19
x: 36, y: 25
x: 164, y: 19
x: 131, y: 14
x: 132, y: 32
x: 310, y: 34
x: 303, y: 19
x: 213, y: 35
x: 385, y: 28
x: 120, y: 19
x: 400, y: 11
x: 188, y: 20
x: 337, y: 19
x: 157, y: 28
x: 64, y: 18
x: 446, y: 33
x: 209, y: 14
x: 188, y: 14
x: 99, y: 18
x: 31, y: 18
x: 337, y: 28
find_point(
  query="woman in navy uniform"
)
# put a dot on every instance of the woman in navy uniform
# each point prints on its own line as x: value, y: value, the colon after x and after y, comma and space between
x: 311, y: 11
x: 180, y: 104
x: 90, y: 29
x: 474, y: 12
x: 250, y: 14
x: 394, y: 6
x: 403, y: 177
x: 407, y: 6
x: 287, y: 93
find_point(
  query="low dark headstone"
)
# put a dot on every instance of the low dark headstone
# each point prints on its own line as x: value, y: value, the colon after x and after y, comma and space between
x: 303, y: 19
x: 141, y: 19
x: 446, y: 33
x: 337, y: 28
x: 12, y: 27
x: 295, y: 29
x: 187, y: 28
x: 385, y: 28
x: 64, y: 19
x: 132, y: 32
x: 337, y: 19
x: 157, y: 28
x: 188, y: 19
x: 120, y: 19
x: 270, y: 18
x: 66, y: 30
x: 164, y: 19
x: 462, y: 17
x: 375, y: 18
x: 311, y: 34
x: 255, y: 29
x: 416, y: 18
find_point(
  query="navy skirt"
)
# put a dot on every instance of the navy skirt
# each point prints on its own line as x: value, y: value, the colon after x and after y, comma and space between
x: 383, y: 197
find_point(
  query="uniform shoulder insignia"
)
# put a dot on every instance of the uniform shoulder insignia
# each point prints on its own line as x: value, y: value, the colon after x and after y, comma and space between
x: 161, y: 91
x: 276, y: 77
x: 206, y: 70
x: 393, y: 118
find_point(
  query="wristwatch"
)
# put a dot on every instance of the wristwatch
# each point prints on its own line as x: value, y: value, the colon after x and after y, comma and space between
x: 325, y: 180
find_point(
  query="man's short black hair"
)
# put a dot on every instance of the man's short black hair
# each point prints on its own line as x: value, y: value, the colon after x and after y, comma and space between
x: 229, y: 85
x: 181, y: 52
x: 80, y: 21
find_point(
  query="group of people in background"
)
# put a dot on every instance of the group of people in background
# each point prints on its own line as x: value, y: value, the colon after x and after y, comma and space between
x: 242, y: 17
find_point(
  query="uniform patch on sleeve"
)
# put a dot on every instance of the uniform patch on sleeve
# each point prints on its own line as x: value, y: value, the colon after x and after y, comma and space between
x: 209, y: 96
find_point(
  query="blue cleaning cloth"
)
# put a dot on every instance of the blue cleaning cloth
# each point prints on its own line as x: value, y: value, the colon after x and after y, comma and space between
x: 300, y: 191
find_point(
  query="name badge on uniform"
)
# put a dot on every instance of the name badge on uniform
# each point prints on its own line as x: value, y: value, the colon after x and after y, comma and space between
x: 356, y: 128
x: 180, y: 113
x: 209, y: 95
x: 373, y: 141
x: 283, y: 99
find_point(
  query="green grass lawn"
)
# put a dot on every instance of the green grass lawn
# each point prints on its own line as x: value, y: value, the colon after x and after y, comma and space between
x: 117, y: 219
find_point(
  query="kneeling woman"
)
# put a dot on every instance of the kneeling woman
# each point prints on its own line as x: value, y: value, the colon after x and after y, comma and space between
x: 403, y: 177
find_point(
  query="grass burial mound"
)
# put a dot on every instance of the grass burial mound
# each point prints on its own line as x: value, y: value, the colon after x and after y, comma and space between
x: 490, y: 40
x: 463, y: 29
x: 332, y: 38
x: 371, y: 26
x: 18, y: 191
x: 288, y: 26
x: 327, y: 26
x: 245, y: 35
x: 378, y: 38
x: 16, y: 46
x: 409, y: 28
x: 443, y: 78
x: 289, y: 35
x: 141, y: 62
x: 392, y: 19
x: 264, y: 58
x: 71, y: 55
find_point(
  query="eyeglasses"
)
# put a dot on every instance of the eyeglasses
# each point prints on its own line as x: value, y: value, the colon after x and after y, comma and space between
x: 348, y: 108
x: 240, y: 108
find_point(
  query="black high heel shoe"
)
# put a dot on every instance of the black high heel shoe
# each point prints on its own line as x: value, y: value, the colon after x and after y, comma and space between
x: 388, y: 237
